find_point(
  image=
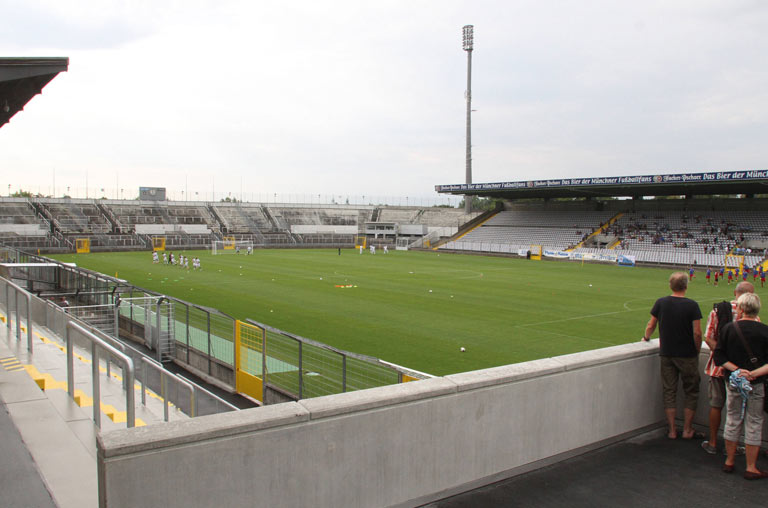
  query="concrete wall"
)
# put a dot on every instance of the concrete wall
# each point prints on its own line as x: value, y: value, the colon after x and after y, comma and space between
x: 396, y: 445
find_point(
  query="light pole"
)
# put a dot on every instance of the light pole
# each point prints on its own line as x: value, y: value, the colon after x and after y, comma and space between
x: 468, y: 46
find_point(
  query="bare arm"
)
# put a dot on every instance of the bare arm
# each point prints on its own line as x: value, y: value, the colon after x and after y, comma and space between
x: 752, y: 374
x: 651, y: 326
x: 711, y: 330
x: 697, y: 334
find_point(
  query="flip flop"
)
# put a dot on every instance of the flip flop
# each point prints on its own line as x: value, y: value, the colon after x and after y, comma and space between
x: 696, y: 435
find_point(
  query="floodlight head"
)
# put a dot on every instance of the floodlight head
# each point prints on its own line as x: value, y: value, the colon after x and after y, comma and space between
x: 468, y: 39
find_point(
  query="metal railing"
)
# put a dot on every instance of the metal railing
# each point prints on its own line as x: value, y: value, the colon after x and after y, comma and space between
x: 204, y: 340
x: 303, y: 368
x: 218, y: 400
x: 18, y: 290
x: 125, y: 360
x: 98, y: 332
x: 164, y: 377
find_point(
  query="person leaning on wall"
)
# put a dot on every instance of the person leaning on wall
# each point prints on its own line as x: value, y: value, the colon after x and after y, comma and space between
x: 743, y: 351
x: 679, y: 321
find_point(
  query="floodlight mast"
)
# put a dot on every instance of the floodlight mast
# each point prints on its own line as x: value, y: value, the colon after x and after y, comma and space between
x: 468, y: 46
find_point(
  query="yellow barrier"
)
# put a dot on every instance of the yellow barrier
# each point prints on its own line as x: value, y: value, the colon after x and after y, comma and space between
x: 249, y: 348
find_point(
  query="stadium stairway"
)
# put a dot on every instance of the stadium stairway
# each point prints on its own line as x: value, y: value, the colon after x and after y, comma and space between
x: 468, y: 227
x: 48, y: 448
x: 598, y: 231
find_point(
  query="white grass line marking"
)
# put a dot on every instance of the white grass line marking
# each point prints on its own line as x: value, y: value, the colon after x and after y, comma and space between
x: 572, y: 318
x: 550, y: 332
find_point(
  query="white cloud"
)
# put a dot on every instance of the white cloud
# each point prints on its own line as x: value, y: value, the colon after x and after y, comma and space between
x: 344, y: 97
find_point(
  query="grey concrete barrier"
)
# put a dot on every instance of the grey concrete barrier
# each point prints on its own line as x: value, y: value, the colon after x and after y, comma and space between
x: 398, y: 445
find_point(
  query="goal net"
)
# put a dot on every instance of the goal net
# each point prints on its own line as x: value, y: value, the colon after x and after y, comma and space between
x: 231, y: 246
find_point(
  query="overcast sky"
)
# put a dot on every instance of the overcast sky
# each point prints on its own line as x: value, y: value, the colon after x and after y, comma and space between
x: 352, y: 98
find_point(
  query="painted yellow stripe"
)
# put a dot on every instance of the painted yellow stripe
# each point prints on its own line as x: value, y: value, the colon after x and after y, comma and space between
x: 15, y: 368
x: 473, y: 228
x: 598, y: 231
x: 47, y: 382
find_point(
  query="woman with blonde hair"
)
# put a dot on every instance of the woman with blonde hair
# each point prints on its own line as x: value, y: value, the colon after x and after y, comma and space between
x: 743, y: 351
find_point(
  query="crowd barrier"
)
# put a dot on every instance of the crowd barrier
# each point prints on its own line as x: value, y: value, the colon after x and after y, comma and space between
x: 400, y: 445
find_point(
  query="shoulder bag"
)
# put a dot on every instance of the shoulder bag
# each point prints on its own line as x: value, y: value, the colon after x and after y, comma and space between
x: 752, y: 359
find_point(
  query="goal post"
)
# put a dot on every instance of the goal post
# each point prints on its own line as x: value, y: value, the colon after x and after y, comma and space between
x: 231, y: 246
x: 82, y: 245
x: 158, y: 243
x: 536, y: 252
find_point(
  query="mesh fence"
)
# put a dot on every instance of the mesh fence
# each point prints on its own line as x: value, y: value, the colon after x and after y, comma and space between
x: 363, y: 374
x: 282, y: 361
x: 304, y: 368
x: 300, y: 367
x: 222, y: 338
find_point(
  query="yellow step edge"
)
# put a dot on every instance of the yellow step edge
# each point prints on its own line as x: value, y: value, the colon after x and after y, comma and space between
x: 118, y: 416
x: 82, y: 399
x: 46, y: 381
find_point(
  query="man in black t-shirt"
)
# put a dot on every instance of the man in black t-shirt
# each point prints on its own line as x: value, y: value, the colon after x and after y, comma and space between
x: 679, y: 320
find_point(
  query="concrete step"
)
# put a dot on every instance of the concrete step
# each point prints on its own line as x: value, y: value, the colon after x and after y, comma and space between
x: 46, y: 366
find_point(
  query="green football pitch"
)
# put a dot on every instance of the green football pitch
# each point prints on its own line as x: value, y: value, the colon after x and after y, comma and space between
x: 417, y: 309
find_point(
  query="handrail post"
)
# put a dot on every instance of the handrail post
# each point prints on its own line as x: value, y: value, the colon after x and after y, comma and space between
x: 157, y: 318
x: 128, y: 372
x: 164, y: 391
x: 143, y: 381
x: 8, y: 307
x: 95, y: 385
x: 29, y: 322
x: 70, y: 364
x: 18, y: 318
x: 28, y: 297
x: 192, y: 402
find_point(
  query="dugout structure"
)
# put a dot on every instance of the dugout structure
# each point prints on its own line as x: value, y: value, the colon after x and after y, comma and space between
x: 82, y: 245
x: 158, y: 243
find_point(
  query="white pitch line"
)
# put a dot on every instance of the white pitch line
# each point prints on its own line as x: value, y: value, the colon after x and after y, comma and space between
x: 572, y: 318
x: 578, y: 337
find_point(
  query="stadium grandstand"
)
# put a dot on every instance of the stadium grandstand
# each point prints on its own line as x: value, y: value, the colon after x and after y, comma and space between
x: 77, y: 349
x: 696, y: 219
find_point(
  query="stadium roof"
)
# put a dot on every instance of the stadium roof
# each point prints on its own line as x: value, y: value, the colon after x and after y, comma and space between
x: 689, y: 184
x: 23, y: 78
